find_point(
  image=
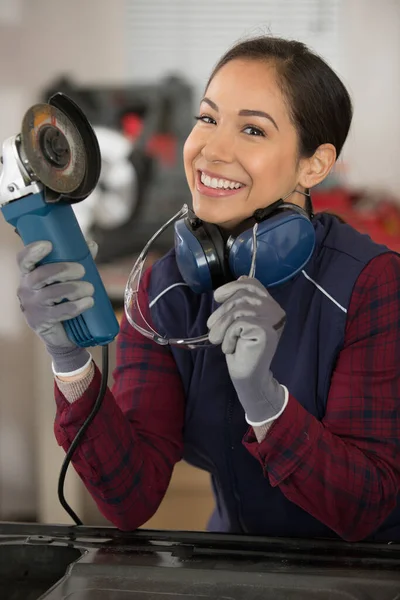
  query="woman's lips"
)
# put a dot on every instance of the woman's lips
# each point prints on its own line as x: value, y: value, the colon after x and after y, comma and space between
x: 214, y: 192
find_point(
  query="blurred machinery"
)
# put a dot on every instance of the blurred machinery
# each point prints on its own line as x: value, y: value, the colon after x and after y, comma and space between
x: 141, y: 130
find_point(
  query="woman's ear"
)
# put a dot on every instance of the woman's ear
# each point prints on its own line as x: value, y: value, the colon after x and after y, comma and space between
x: 313, y: 170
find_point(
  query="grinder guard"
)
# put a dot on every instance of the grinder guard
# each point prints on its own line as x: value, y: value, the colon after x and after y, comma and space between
x: 89, y: 139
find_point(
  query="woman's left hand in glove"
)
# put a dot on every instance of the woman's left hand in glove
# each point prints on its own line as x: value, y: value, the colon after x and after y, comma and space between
x: 248, y: 325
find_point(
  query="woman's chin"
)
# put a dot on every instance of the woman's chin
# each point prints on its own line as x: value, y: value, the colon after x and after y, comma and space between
x: 211, y: 211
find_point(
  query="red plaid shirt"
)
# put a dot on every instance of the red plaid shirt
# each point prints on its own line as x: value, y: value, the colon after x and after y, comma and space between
x: 343, y: 470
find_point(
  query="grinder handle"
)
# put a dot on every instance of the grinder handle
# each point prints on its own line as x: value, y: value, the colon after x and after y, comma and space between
x: 36, y: 220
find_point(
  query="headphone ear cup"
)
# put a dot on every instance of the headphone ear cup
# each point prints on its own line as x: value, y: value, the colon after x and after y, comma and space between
x: 285, y: 243
x: 219, y: 264
x: 200, y: 255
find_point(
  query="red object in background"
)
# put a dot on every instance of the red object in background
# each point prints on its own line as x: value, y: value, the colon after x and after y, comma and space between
x: 337, y: 201
x: 381, y: 223
x: 163, y: 146
x: 132, y: 126
x: 388, y: 214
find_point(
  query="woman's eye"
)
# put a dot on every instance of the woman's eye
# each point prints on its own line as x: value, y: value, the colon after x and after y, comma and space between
x: 205, y: 119
x: 250, y: 130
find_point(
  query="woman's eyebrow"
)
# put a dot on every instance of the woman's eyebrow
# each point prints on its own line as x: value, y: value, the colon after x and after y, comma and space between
x: 245, y: 112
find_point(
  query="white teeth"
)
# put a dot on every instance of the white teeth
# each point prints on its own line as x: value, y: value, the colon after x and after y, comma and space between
x: 215, y: 183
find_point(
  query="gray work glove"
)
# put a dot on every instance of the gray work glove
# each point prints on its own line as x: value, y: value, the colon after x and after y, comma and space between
x: 40, y: 292
x: 249, y: 324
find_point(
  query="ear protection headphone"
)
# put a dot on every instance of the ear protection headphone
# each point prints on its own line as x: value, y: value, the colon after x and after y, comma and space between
x: 284, y: 242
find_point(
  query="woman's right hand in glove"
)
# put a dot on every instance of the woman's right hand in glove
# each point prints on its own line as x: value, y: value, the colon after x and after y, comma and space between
x: 50, y: 294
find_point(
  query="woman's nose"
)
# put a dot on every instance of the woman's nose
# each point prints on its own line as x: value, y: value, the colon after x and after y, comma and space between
x: 219, y: 146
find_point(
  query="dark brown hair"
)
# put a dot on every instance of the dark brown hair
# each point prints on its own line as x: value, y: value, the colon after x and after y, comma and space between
x: 318, y: 102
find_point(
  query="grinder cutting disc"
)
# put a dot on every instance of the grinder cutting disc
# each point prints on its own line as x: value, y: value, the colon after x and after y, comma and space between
x: 53, y: 148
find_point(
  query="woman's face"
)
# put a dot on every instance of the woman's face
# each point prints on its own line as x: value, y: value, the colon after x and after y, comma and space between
x: 242, y: 154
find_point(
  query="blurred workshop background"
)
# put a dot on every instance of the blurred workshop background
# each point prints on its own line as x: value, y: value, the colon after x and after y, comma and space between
x: 137, y: 68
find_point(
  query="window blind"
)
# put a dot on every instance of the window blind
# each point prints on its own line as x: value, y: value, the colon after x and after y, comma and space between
x: 188, y: 36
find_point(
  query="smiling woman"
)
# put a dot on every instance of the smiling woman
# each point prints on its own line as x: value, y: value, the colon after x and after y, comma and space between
x: 293, y: 407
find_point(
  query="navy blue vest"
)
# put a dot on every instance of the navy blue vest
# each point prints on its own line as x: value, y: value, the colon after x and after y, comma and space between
x: 304, y: 361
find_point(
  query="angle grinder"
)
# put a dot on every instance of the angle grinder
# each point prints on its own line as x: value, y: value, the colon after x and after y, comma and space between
x: 54, y: 162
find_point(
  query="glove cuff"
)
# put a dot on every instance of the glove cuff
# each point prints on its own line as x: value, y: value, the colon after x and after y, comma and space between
x: 274, y: 417
x: 66, y: 361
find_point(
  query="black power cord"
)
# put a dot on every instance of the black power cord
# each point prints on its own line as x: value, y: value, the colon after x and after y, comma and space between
x: 80, y: 434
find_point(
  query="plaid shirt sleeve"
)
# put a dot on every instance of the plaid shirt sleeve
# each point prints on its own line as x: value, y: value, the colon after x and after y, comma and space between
x: 345, y: 470
x: 128, y: 453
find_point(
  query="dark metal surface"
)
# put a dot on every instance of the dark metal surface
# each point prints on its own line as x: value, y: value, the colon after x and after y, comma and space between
x: 85, y: 563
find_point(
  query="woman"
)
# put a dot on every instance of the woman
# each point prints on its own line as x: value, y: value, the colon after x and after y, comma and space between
x: 294, y: 410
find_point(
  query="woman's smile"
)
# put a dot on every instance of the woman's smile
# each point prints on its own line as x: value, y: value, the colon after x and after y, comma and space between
x: 216, y: 186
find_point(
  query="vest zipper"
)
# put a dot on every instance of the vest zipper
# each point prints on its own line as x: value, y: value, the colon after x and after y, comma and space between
x: 231, y: 470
